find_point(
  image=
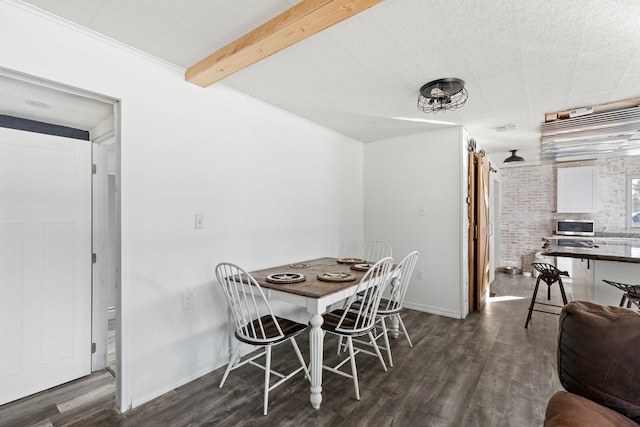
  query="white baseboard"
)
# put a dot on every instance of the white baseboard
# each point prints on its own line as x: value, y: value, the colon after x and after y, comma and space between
x: 166, y: 386
x: 433, y: 310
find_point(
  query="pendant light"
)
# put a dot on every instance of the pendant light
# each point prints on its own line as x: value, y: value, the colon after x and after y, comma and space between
x: 513, y: 157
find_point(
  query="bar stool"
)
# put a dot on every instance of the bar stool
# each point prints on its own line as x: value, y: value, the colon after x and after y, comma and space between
x: 550, y: 274
x: 630, y: 293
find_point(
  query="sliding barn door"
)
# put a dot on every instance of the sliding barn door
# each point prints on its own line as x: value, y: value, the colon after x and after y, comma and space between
x: 479, y: 231
x: 483, y: 203
x: 45, y: 262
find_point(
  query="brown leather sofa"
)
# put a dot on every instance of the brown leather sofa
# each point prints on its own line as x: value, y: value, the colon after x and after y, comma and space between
x: 599, y: 366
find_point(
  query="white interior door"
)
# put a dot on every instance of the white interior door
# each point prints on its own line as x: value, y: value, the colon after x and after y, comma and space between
x: 45, y: 262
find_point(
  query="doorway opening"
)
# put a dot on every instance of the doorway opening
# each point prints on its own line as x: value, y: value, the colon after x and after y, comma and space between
x: 42, y: 101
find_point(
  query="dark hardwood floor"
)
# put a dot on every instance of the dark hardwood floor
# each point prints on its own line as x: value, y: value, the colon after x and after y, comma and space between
x: 111, y: 339
x: 486, y: 370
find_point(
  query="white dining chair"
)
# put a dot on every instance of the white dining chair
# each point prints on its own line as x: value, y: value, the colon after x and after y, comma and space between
x: 372, y: 251
x: 357, y: 317
x: 256, y: 325
x: 375, y: 250
x: 391, y: 306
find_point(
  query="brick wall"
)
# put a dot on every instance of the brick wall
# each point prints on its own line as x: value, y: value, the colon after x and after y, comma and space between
x: 528, y: 204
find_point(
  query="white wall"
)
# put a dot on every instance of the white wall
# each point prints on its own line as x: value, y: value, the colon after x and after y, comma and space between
x: 403, y: 175
x: 273, y: 189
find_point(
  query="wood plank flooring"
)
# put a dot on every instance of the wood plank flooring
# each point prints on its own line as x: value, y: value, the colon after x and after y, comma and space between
x: 486, y: 370
x: 111, y: 339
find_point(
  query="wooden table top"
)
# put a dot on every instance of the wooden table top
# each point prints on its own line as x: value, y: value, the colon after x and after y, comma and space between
x: 311, y: 286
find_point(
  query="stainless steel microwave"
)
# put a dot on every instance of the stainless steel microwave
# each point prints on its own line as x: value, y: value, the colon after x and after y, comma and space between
x: 575, y: 227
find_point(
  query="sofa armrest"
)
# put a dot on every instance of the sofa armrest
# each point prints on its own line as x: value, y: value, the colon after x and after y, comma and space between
x: 567, y: 409
x: 599, y: 355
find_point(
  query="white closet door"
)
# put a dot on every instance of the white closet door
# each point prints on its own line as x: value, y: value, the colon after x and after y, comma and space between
x: 45, y: 262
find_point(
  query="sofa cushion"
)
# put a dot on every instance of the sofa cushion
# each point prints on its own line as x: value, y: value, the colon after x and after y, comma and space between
x: 599, y: 355
x: 570, y: 410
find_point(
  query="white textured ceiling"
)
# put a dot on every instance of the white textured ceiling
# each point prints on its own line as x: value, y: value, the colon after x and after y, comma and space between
x: 520, y: 59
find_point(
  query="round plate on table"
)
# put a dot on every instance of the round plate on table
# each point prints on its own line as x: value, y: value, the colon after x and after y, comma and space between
x: 365, y: 266
x: 336, y: 277
x: 301, y: 265
x: 350, y: 260
x: 285, y: 277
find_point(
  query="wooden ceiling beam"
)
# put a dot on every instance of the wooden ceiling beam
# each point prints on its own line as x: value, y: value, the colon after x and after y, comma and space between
x: 297, y: 23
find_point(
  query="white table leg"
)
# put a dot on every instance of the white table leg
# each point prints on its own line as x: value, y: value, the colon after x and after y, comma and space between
x: 316, y: 337
x: 393, y: 326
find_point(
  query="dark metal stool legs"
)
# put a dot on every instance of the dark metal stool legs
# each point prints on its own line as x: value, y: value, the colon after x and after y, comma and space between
x: 533, y: 301
x: 564, y: 295
x: 550, y: 275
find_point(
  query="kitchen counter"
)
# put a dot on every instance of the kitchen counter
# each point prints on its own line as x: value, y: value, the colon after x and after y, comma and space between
x: 595, y: 259
x: 599, y: 249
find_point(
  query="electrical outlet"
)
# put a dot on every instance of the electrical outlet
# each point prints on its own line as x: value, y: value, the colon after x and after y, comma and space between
x: 419, y: 274
x: 199, y: 221
x: 187, y: 300
x: 422, y: 211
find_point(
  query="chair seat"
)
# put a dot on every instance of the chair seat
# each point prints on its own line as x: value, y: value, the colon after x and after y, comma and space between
x: 631, y: 290
x: 332, y: 319
x: 630, y: 293
x: 548, y: 271
x: 382, y: 308
x: 555, y: 275
x: 289, y: 329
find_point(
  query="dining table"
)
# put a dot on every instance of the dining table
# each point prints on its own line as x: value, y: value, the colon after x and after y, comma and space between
x: 317, y: 292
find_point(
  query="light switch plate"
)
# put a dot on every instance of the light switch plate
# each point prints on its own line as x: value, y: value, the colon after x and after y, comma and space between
x: 199, y: 221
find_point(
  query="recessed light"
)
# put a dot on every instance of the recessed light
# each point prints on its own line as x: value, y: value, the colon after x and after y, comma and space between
x: 38, y: 104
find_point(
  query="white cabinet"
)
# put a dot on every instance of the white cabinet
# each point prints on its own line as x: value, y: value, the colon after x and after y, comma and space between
x: 588, y: 275
x: 578, y: 189
x: 582, y: 279
x: 565, y: 264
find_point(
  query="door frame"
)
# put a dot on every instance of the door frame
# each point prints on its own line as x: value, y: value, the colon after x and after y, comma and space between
x: 101, y: 146
x: 97, y: 330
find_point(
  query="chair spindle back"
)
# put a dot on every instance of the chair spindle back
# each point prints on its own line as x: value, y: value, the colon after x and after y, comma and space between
x: 361, y: 308
x: 375, y: 250
x: 247, y: 303
x: 399, y: 282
